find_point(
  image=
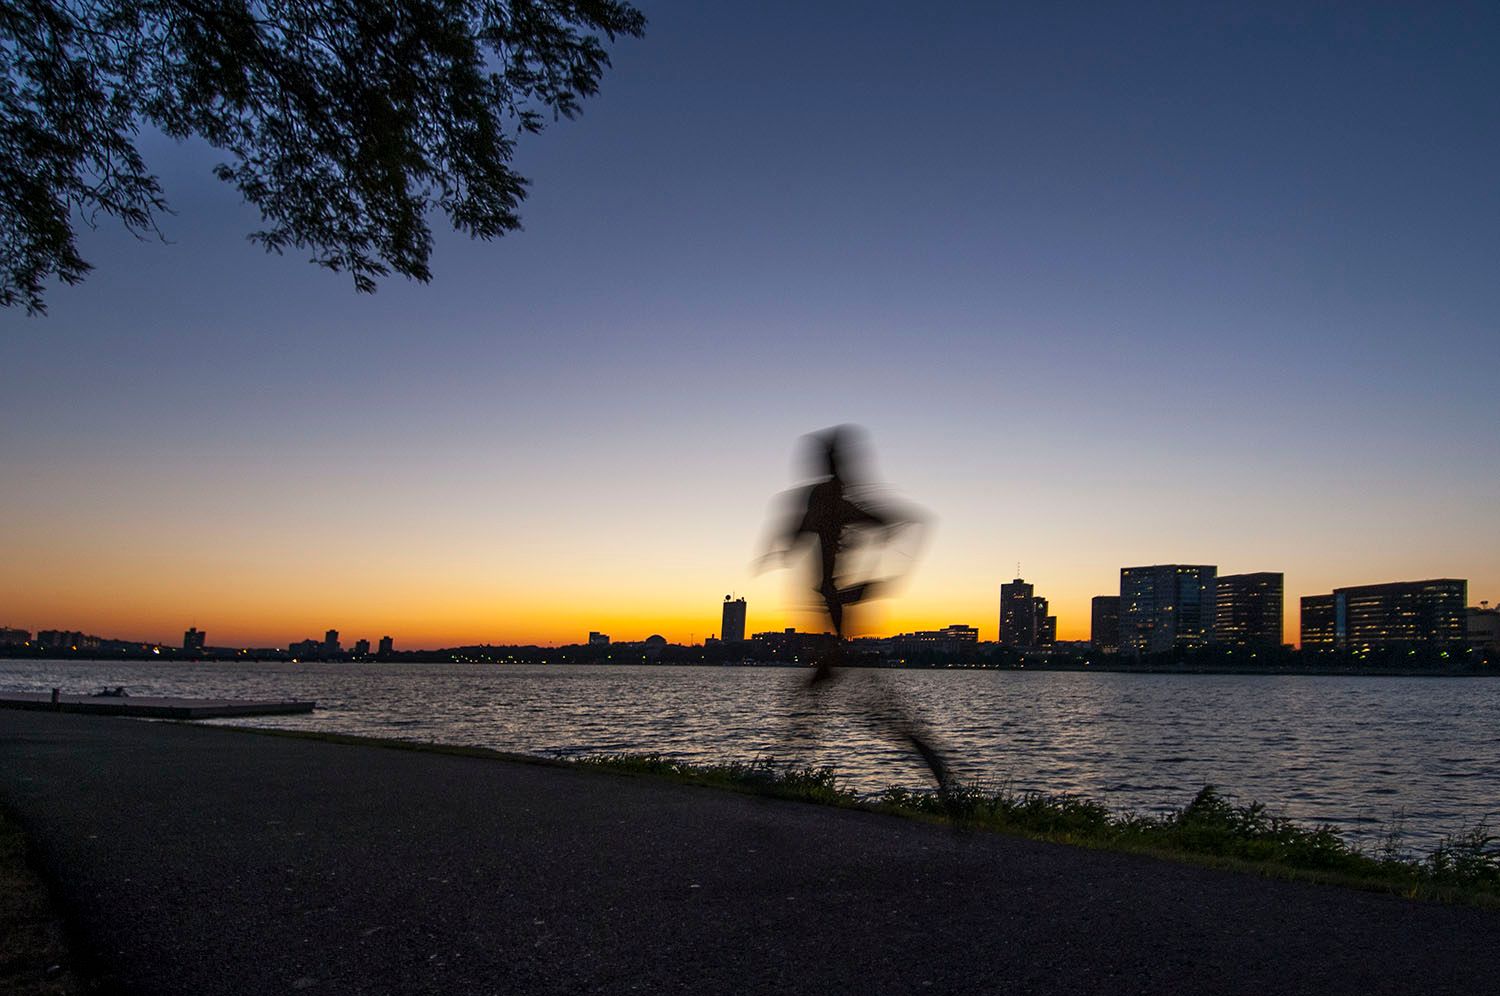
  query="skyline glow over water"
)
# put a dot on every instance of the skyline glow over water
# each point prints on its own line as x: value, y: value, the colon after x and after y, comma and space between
x: 1144, y: 287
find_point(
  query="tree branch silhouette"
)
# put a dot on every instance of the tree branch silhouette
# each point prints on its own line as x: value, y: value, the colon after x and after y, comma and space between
x: 345, y: 122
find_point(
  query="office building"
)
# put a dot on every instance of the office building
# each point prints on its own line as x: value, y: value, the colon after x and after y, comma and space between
x: 331, y: 642
x: 361, y: 648
x: 1248, y: 609
x: 386, y: 645
x: 790, y: 643
x: 732, y: 629
x: 1483, y: 628
x: 1017, y: 614
x: 1398, y: 614
x: 1024, y: 622
x: 193, y: 639
x: 1046, y: 625
x: 62, y: 639
x: 1317, y: 623
x: 1104, y: 623
x: 1166, y: 607
x: 955, y: 639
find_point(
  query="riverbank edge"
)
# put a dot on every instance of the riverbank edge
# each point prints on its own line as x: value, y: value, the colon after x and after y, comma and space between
x: 815, y: 786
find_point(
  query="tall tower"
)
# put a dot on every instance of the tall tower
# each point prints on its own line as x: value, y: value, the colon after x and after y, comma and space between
x: 1017, y: 614
x: 1024, y: 621
x: 732, y: 627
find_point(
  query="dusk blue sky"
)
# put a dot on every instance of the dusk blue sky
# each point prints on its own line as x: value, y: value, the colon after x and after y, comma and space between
x: 1108, y: 285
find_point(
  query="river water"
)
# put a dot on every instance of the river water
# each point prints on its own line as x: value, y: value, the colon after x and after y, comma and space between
x: 1366, y: 754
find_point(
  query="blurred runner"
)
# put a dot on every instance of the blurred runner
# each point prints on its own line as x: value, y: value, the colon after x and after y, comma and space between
x: 852, y: 526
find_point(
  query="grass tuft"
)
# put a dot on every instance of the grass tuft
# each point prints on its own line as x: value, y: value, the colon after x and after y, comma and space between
x: 764, y: 776
x: 1468, y: 860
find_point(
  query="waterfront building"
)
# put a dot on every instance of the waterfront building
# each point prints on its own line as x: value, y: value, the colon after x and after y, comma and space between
x: 1024, y: 622
x: 305, y: 649
x: 1046, y: 625
x: 1017, y: 614
x: 1104, y: 623
x: 193, y: 639
x: 1431, y: 613
x: 1482, y: 629
x: 598, y: 639
x: 789, y: 642
x: 954, y: 639
x: 1248, y: 609
x: 732, y: 629
x: 331, y: 642
x: 1166, y: 606
x: 14, y: 637
x: 1317, y: 623
x: 386, y: 645
x: 361, y: 648
x: 63, y: 639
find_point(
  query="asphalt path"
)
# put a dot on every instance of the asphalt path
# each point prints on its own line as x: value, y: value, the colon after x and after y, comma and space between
x: 202, y: 860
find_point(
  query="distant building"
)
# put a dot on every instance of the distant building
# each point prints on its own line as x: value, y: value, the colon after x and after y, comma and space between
x: 362, y: 648
x: 193, y: 639
x: 63, y: 639
x: 1104, y: 623
x: 1017, y: 614
x: 386, y: 646
x: 1432, y: 613
x: 955, y: 639
x: 1024, y: 622
x: 331, y: 642
x: 1482, y: 629
x: 789, y: 642
x: 14, y: 637
x: 1247, y: 609
x: 598, y: 639
x: 732, y: 629
x: 1318, y: 632
x: 306, y: 649
x: 1166, y: 606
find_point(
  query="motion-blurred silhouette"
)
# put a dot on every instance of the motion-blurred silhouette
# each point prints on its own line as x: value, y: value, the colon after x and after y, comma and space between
x: 852, y: 526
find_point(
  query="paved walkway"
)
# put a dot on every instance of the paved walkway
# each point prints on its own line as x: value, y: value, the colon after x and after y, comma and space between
x: 199, y: 860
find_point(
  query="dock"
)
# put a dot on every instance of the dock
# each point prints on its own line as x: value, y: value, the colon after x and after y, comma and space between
x: 149, y: 707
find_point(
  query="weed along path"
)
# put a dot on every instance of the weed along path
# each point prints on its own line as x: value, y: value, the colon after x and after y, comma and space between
x: 203, y: 860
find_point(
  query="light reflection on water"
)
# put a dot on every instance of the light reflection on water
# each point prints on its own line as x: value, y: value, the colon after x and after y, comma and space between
x: 1358, y: 752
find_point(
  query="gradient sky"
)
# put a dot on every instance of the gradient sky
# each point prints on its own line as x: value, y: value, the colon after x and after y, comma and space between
x: 1107, y: 285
